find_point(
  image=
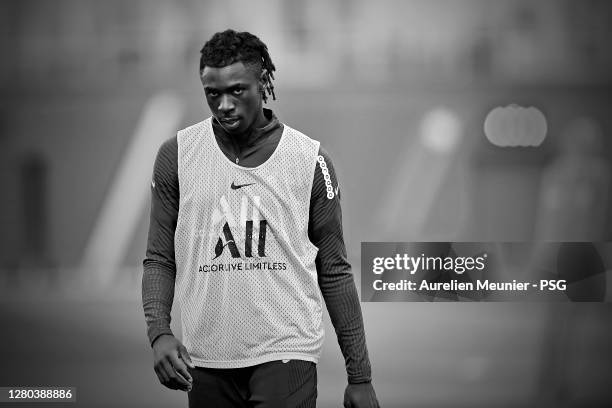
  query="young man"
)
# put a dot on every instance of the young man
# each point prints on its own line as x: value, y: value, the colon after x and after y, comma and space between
x: 246, y: 229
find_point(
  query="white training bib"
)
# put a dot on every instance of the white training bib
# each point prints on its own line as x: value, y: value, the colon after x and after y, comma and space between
x: 246, y: 279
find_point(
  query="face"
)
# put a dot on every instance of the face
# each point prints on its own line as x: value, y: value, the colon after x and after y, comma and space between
x: 233, y: 96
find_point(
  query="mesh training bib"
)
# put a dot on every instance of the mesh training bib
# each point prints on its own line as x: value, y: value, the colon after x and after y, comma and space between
x: 246, y: 279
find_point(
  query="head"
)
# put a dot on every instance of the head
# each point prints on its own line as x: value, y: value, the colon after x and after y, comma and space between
x: 236, y: 72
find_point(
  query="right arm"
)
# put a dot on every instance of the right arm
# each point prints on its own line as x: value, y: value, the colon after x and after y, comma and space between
x: 159, y: 264
x: 160, y: 270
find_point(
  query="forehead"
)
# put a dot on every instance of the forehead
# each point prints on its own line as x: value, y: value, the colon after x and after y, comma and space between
x: 230, y: 74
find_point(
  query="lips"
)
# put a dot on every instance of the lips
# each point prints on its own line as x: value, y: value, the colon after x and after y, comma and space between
x: 229, y: 122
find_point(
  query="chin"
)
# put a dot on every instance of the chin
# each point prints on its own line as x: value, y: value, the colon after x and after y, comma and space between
x: 236, y: 131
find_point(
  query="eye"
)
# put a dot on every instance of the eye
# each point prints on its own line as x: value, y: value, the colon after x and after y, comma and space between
x: 213, y: 94
x: 238, y: 91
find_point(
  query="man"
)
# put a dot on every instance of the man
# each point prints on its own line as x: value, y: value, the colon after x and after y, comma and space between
x: 246, y: 230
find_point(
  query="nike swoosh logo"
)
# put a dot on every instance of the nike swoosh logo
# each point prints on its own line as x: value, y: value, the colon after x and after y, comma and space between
x: 237, y: 186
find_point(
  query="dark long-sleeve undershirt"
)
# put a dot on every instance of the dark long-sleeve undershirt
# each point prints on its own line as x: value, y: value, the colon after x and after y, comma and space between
x: 324, y: 230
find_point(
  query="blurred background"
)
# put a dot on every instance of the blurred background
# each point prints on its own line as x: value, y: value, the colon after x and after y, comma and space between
x: 405, y: 95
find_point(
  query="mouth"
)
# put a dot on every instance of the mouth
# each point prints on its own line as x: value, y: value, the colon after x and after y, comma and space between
x: 230, y: 123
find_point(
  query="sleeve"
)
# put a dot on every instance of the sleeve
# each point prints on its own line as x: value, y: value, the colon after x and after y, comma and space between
x: 159, y: 264
x: 334, y: 271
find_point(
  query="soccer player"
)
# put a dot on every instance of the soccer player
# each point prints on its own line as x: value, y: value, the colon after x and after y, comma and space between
x: 246, y: 232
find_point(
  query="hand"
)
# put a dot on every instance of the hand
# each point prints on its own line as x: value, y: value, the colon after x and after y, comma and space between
x: 360, y: 396
x: 170, y: 362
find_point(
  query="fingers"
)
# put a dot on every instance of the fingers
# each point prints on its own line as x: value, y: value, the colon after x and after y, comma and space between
x: 161, y: 374
x: 173, y: 375
x: 175, y: 380
x: 181, y: 369
x: 164, y: 373
x: 170, y: 358
x: 185, y: 357
x: 360, y: 396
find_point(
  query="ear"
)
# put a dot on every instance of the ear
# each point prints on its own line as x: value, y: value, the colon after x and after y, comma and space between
x: 263, y: 77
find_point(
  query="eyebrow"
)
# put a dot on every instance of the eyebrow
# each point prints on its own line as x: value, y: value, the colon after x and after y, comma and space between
x: 230, y: 88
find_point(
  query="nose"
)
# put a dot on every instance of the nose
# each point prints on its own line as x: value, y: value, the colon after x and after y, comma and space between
x: 226, y: 104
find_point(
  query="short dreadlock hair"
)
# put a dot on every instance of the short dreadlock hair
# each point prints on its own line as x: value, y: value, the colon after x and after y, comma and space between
x: 227, y: 47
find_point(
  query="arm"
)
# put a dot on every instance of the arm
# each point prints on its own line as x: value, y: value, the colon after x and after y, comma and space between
x: 160, y: 269
x: 337, y: 284
x: 159, y: 265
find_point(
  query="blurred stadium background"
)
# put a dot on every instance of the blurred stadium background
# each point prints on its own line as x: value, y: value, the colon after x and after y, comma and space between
x: 397, y: 91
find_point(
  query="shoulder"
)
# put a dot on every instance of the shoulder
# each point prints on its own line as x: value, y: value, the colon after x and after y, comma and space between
x: 196, y: 126
x: 168, y: 150
x: 323, y: 156
x: 299, y: 135
x: 325, y: 180
x: 194, y: 129
x: 166, y: 162
x: 325, y: 162
x: 168, y: 147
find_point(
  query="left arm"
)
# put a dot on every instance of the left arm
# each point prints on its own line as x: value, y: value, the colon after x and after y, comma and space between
x: 337, y: 284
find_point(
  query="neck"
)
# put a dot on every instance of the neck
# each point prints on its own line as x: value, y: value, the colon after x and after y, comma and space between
x: 260, y: 122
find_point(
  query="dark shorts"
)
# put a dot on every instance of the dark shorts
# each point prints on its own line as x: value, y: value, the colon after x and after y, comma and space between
x: 269, y: 385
